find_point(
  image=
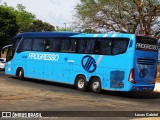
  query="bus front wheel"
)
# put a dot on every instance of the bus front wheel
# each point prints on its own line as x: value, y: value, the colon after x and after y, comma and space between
x: 21, y: 74
x: 95, y: 85
x: 81, y: 83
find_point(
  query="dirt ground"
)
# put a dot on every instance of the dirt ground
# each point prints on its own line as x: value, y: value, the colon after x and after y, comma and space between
x: 33, y: 95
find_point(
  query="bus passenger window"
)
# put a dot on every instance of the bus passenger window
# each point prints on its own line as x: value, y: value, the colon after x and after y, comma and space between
x: 97, y: 47
x: 46, y: 45
x: 73, y: 45
x: 38, y: 44
x: 55, y: 45
x: 106, y: 46
x: 90, y: 46
x: 81, y: 46
x: 120, y: 46
x: 25, y: 45
x: 65, y: 45
x: 15, y: 44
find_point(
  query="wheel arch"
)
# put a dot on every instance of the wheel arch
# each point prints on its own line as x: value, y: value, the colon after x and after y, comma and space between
x: 94, y: 76
x: 77, y: 77
x: 18, y: 69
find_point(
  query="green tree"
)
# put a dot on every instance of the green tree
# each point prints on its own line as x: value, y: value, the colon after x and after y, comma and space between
x: 8, y: 26
x: 118, y: 15
x: 39, y: 26
x: 23, y: 18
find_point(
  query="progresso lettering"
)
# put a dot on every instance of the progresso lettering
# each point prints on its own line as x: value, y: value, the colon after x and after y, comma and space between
x: 47, y: 57
x: 147, y: 46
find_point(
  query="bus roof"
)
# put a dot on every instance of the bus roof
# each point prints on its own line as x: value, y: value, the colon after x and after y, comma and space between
x: 45, y: 34
x: 72, y: 34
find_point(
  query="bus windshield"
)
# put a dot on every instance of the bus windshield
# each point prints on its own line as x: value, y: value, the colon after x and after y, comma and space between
x: 146, y: 43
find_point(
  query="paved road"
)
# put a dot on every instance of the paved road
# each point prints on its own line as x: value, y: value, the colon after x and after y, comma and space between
x: 35, y: 95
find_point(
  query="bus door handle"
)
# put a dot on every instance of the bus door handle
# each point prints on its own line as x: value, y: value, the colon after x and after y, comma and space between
x: 70, y: 61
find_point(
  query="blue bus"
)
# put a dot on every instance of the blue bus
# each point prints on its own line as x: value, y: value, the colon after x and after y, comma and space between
x: 114, y: 62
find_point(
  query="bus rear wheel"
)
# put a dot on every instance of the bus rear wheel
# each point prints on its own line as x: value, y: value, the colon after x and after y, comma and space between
x: 21, y: 74
x: 81, y: 83
x: 95, y: 85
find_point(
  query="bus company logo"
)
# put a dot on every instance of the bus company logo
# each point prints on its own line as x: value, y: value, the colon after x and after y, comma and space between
x: 143, y: 73
x: 47, y: 57
x: 89, y: 64
x: 146, y: 46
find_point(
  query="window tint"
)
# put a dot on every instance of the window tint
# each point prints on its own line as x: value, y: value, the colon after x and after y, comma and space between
x: 81, y: 45
x: 38, y: 44
x: 65, y: 45
x: 97, y: 46
x: 106, y: 47
x: 25, y: 45
x: 73, y: 45
x: 120, y: 46
x: 55, y: 45
x: 90, y: 46
x: 15, y: 43
x: 47, y: 45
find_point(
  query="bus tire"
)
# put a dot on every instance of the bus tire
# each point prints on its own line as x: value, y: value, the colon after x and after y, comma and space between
x: 81, y: 83
x: 95, y: 85
x: 21, y: 74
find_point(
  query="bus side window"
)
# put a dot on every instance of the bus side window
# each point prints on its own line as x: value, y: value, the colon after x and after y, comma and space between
x: 65, y: 46
x: 25, y: 45
x: 15, y: 44
x: 47, y: 45
x: 38, y: 44
x: 97, y: 47
x: 106, y: 46
x: 119, y: 46
x: 73, y: 45
x: 55, y: 45
x: 81, y: 45
x: 90, y: 46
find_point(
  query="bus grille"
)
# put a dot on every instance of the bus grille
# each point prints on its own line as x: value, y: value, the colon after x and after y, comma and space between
x: 146, y: 61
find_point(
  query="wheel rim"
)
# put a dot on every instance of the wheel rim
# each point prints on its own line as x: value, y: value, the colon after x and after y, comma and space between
x: 81, y: 83
x: 95, y: 85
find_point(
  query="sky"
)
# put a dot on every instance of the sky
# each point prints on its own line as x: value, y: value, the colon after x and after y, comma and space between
x: 55, y: 12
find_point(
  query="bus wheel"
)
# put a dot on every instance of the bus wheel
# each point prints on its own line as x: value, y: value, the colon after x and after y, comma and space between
x: 81, y: 83
x: 95, y: 85
x: 21, y: 74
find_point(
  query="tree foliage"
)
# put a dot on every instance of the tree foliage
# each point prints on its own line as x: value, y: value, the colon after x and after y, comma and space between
x: 17, y: 20
x: 40, y: 26
x: 8, y: 26
x: 128, y: 16
x: 24, y: 18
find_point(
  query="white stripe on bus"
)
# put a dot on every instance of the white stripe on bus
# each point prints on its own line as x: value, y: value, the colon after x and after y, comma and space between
x: 99, y: 59
x: 114, y: 35
x: 105, y: 35
x: 95, y: 35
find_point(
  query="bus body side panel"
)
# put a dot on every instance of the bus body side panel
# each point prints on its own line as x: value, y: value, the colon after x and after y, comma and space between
x: 116, y: 71
x: 17, y: 62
